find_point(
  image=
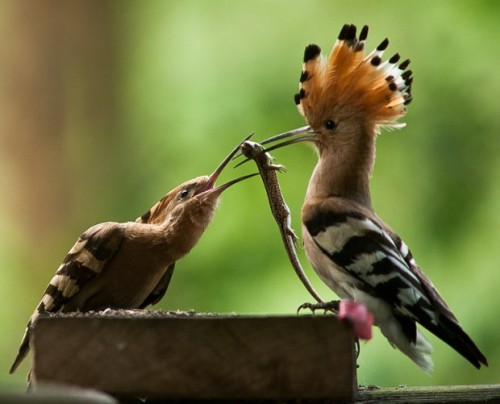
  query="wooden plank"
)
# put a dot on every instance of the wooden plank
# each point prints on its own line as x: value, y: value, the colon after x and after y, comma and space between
x: 198, y: 357
x: 440, y: 394
x: 437, y: 395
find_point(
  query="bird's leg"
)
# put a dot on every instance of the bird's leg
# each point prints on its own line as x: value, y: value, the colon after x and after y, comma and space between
x: 332, y: 306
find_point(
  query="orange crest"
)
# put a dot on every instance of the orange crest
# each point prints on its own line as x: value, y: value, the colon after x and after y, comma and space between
x: 352, y: 84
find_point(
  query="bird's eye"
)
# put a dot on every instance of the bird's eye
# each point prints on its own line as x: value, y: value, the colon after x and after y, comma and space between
x: 184, y: 193
x: 330, y: 124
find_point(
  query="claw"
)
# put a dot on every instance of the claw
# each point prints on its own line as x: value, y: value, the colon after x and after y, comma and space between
x: 332, y: 306
x: 306, y: 306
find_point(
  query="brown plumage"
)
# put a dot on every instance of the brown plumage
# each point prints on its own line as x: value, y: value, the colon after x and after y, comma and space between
x: 346, y: 98
x: 129, y: 265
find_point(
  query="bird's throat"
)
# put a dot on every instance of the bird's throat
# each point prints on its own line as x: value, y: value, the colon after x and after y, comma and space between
x: 344, y: 171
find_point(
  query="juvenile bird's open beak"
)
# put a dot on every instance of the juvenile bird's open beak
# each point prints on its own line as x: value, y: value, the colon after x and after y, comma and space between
x: 210, y: 185
x: 225, y: 186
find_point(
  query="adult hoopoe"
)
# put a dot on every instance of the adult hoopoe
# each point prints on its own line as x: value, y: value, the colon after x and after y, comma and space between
x: 129, y: 265
x: 346, y: 98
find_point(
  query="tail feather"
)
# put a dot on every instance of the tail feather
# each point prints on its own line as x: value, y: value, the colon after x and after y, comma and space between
x: 421, y: 353
x: 24, y: 348
x: 417, y: 348
x: 452, y: 333
x: 401, y: 332
x: 47, y: 304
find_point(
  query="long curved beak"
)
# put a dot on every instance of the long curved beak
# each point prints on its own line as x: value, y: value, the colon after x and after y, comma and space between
x: 304, y: 130
x: 308, y: 136
x: 210, y: 185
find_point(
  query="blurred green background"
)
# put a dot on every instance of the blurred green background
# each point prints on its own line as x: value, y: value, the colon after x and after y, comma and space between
x: 105, y: 106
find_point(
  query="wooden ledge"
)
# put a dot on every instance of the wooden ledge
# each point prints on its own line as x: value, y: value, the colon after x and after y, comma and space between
x: 486, y: 393
x: 186, y: 355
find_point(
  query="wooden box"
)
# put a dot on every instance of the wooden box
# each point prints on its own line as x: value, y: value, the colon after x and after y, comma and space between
x: 191, y: 356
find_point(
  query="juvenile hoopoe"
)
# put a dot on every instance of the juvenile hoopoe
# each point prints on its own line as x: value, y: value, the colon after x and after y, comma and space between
x: 129, y: 265
x: 346, y: 99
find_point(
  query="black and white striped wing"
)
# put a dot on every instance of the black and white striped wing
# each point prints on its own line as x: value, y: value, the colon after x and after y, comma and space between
x: 366, y: 252
x: 382, y: 266
x: 86, y: 260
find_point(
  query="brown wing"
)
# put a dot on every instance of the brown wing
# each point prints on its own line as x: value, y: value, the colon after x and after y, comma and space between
x: 86, y: 259
x: 159, y: 291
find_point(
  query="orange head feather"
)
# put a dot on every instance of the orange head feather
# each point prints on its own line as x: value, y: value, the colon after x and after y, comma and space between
x: 350, y: 85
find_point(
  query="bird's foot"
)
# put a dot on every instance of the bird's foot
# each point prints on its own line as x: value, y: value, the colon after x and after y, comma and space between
x: 332, y: 306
